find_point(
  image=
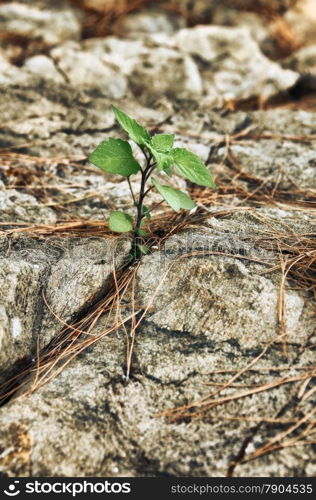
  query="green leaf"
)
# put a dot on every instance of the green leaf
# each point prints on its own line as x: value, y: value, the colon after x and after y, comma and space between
x: 131, y: 256
x: 191, y: 167
x: 146, y: 212
x: 168, y: 170
x: 162, y: 142
x: 142, y: 232
x: 115, y: 156
x: 163, y: 160
x: 120, y: 222
x: 136, y: 132
x: 175, y: 198
x: 143, y: 248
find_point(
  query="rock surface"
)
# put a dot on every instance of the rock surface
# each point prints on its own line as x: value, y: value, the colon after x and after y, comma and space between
x: 234, y: 66
x: 304, y: 60
x: 35, y: 21
x: 149, y: 22
x: 218, y: 62
x: 211, y: 298
x: 211, y: 312
x: 21, y: 207
x: 289, y: 164
x: 45, y: 285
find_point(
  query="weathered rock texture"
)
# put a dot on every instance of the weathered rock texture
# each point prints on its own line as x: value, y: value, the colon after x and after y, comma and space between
x: 212, y: 292
x: 35, y: 21
x: 211, y: 312
x: 44, y: 284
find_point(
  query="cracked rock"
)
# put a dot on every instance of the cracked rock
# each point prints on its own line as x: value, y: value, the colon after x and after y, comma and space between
x: 52, y: 26
x: 149, y: 70
x: 232, y: 65
x: 70, y: 275
x: 43, y: 65
x: 289, y: 164
x: 9, y: 72
x: 303, y: 60
x: 84, y: 69
x: 210, y: 312
x: 150, y: 21
x: 210, y: 296
x: 20, y: 207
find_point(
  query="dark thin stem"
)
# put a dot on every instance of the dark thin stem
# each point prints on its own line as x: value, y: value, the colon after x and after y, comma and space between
x: 147, y: 190
x: 151, y: 168
x: 137, y: 239
x: 145, y: 154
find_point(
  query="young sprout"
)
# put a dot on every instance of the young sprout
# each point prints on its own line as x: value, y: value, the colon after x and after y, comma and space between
x: 116, y: 157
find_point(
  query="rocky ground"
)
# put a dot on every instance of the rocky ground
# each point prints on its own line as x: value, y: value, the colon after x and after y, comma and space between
x: 215, y: 326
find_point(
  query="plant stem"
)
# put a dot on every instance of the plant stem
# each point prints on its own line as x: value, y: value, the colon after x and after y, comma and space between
x: 137, y: 239
x: 147, y: 191
x: 131, y: 190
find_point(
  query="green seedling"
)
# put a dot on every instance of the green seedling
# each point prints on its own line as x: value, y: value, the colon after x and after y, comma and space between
x: 116, y: 157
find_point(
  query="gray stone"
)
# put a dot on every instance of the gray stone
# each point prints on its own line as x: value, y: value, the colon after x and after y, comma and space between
x: 235, y: 68
x: 288, y: 163
x: 254, y: 23
x: 84, y: 69
x: 41, y: 281
x: 52, y: 26
x: 303, y: 60
x: 45, y: 67
x: 60, y: 120
x: 120, y: 51
x: 282, y: 123
x: 230, y: 66
x: 164, y: 71
x: 9, y: 72
x: 20, y: 207
x: 150, y: 21
x: 21, y: 283
x: 151, y: 70
x: 194, y: 292
x: 76, y: 122
x: 209, y: 313
x: 78, y: 278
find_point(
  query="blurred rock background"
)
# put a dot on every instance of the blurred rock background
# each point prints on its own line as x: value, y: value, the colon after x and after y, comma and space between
x: 223, y: 50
